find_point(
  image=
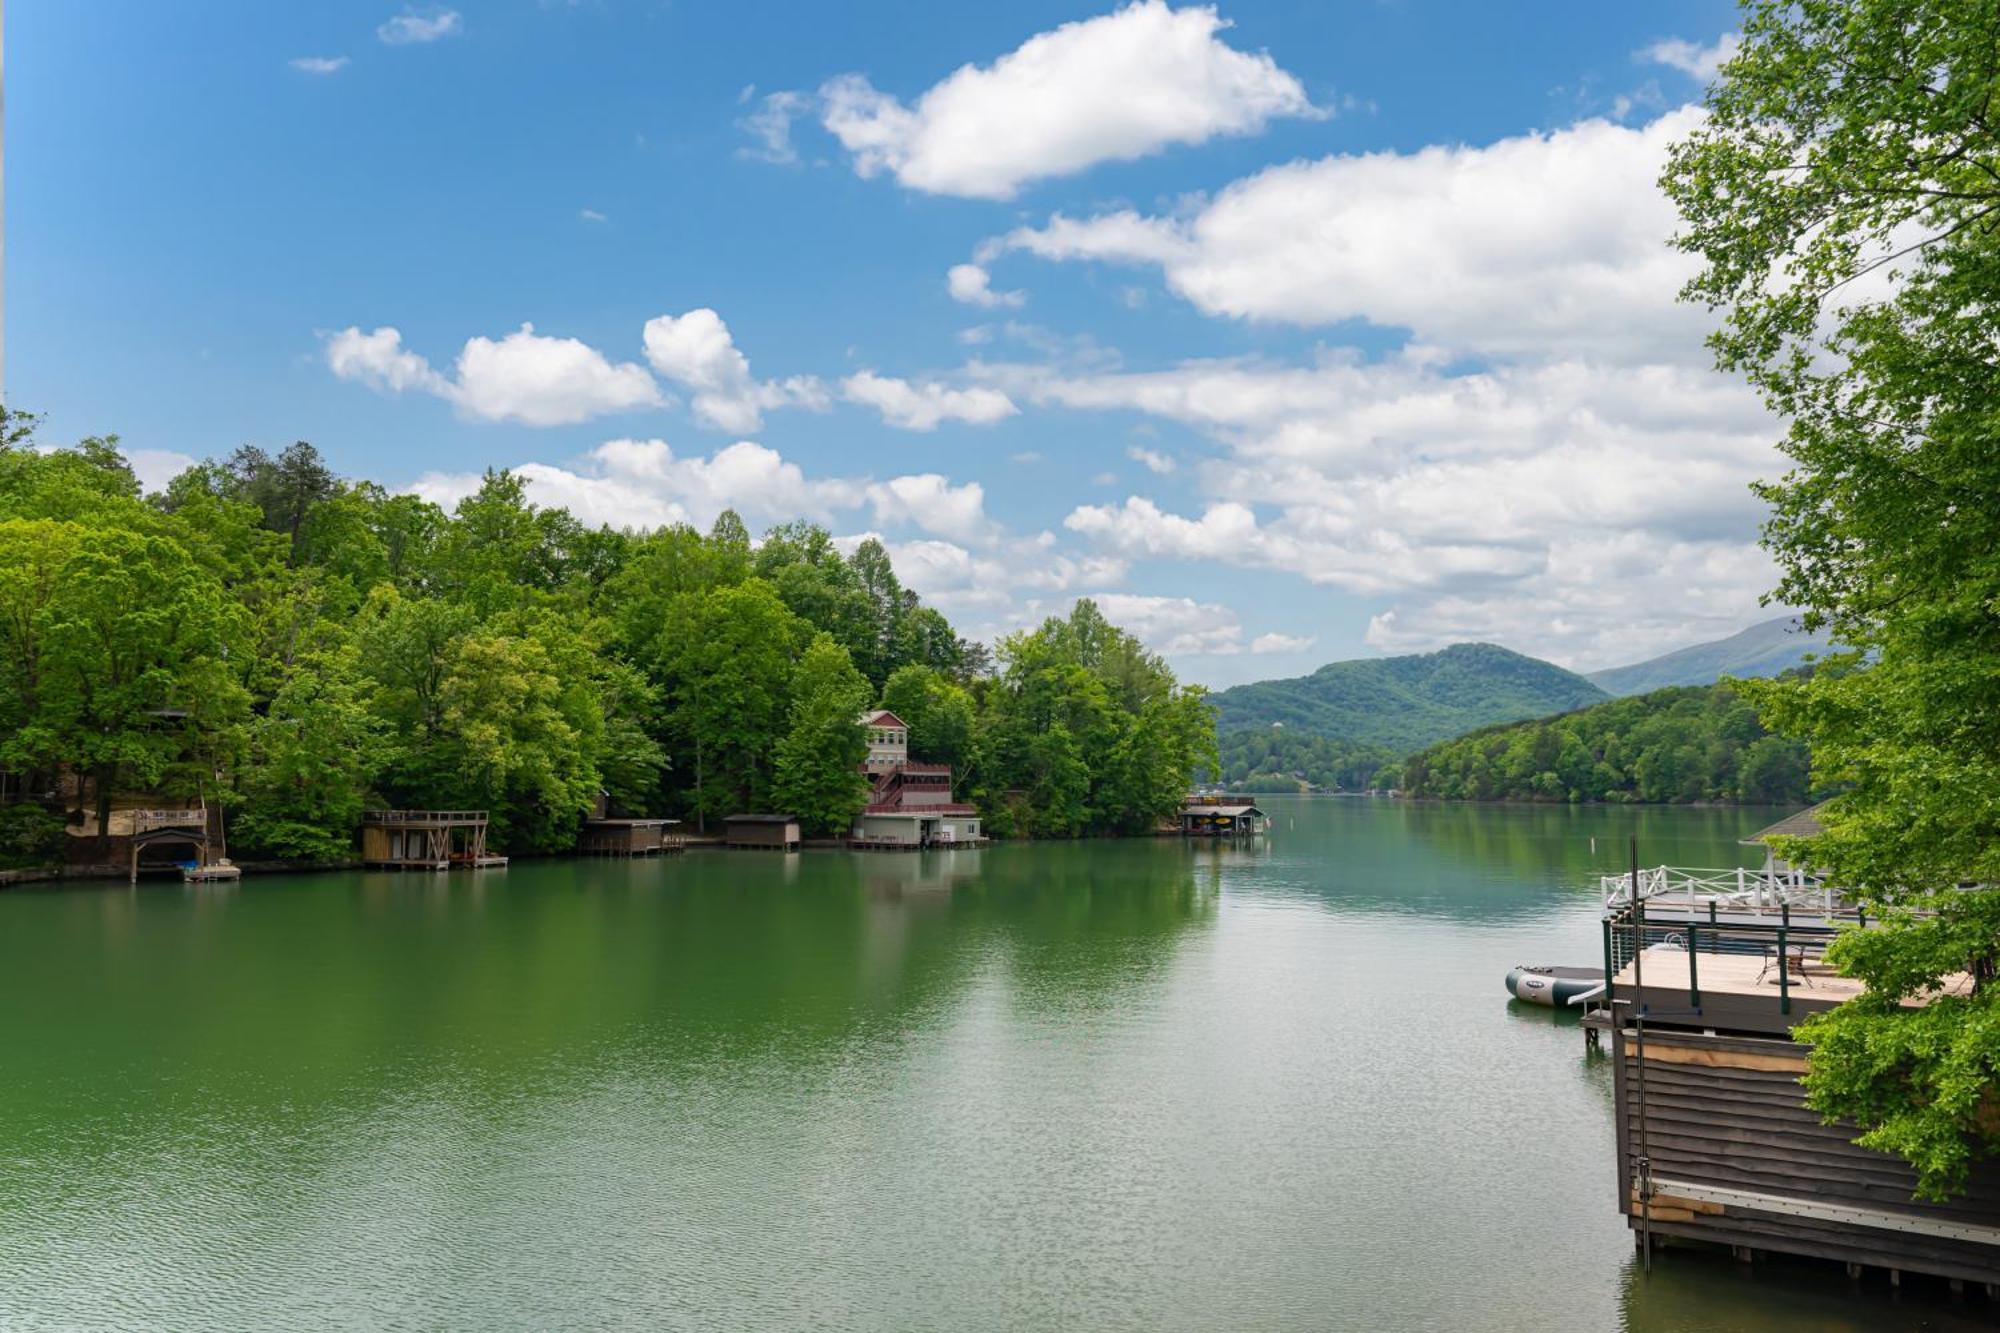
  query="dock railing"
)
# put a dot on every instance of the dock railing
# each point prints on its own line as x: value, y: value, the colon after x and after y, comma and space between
x: 147, y: 821
x: 408, y: 818
x: 1782, y: 941
x: 1736, y: 887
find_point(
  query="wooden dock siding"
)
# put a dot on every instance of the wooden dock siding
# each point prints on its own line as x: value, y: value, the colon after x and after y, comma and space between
x: 1737, y: 1158
x: 778, y: 833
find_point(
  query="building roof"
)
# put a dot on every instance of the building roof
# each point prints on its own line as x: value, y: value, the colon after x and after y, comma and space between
x: 1804, y: 824
x: 1232, y: 811
x: 882, y: 717
x: 761, y: 819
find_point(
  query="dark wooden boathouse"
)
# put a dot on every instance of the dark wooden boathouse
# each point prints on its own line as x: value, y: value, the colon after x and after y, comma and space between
x: 771, y: 833
x: 628, y: 837
x: 1715, y: 1141
x: 1220, y: 817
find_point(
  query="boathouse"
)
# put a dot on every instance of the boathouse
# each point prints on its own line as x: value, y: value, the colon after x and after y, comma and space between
x: 628, y: 837
x: 1715, y: 1141
x: 776, y: 833
x: 1220, y: 817
x: 426, y: 840
x: 160, y: 839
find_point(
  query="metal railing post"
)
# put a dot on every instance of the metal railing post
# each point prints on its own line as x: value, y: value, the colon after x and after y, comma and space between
x: 1784, y: 975
x: 1694, y: 982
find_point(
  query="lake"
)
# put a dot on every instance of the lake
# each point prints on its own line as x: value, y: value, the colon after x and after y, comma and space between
x: 1101, y: 1085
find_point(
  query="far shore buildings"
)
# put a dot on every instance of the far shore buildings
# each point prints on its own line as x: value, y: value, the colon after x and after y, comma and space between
x: 910, y: 805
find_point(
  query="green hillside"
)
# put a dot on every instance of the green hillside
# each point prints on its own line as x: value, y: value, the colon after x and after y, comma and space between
x: 1680, y: 744
x: 1404, y: 703
x: 1761, y: 651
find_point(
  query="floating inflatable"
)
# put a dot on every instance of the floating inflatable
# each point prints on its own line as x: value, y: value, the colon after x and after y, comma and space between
x: 1554, y: 986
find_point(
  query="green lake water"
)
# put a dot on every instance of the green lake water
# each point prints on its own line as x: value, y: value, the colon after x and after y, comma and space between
x: 1107, y: 1085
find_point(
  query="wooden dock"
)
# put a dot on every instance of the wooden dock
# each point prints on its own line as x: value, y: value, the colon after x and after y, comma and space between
x: 629, y: 837
x: 1715, y: 1141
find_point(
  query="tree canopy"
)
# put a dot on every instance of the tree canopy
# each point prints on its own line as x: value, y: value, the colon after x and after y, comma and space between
x: 297, y: 647
x: 1843, y: 196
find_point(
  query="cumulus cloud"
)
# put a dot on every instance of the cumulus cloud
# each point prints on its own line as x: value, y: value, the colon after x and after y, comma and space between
x: 415, y: 26
x: 1184, y: 627
x: 1154, y: 460
x: 696, y: 351
x: 974, y: 286
x: 1698, y: 62
x: 1444, y: 494
x: 1525, y: 247
x: 922, y: 406
x: 318, y: 64
x: 930, y: 502
x: 1112, y: 88
x: 525, y: 376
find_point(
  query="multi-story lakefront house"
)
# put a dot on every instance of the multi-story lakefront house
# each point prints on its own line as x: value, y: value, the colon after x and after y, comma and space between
x: 910, y: 805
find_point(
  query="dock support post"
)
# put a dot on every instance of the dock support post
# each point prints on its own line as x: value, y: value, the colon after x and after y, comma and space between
x: 1854, y: 1272
x: 1895, y: 1277
x: 1958, y: 1286
x: 1742, y: 1254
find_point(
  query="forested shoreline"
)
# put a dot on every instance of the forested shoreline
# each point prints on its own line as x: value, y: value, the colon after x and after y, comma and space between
x: 265, y: 635
x: 1689, y: 744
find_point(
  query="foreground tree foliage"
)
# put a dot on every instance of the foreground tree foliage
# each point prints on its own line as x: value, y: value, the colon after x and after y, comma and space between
x: 1845, y: 198
x: 297, y: 648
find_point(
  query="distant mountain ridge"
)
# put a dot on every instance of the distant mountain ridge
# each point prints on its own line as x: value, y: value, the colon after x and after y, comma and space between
x: 1406, y: 703
x: 1763, y: 650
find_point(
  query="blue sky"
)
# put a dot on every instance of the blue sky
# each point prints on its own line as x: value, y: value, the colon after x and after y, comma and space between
x: 1290, y: 331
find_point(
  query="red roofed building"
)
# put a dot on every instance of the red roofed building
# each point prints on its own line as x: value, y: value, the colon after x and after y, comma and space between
x: 910, y: 805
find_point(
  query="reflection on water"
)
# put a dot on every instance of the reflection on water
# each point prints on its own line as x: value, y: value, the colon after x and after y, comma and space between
x: 1132, y: 1084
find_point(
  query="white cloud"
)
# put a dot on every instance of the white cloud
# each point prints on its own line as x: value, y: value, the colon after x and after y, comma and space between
x: 545, y: 381
x: 414, y: 26
x: 922, y: 406
x: 1181, y: 626
x: 696, y: 351
x: 380, y: 361
x: 156, y: 467
x: 643, y: 483
x: 1486, y: 504
x: 1701, y: 63
x: 1530, y: 246
x: 974, y: 286
x: 930, y: 502
x: 591, y: 215
x: 319, y: 64
x: 525, y: 377
x: 1111, y: 88
x: 1281, y: 643
x: 770, y: 125
x: 1155, y: 461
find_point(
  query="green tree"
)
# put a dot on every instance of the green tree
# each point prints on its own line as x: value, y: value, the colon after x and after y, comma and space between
x: 724, y: 661
x: 939, y: 713
x: 819, y: 775
x: 311, y: 760
x: 1844, y: 198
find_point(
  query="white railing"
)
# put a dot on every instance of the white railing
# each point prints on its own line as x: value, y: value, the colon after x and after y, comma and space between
x: 1735, y: 886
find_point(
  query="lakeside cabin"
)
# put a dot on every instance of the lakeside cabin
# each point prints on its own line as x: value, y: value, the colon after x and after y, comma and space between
x: 770, y: 833
x: 910, y: 805
x: 426, y: 840
x: 1203, y: 816
x: 1715, y: 1141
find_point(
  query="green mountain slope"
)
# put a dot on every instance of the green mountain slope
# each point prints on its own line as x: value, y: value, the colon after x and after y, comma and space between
x: 1404, y: 703
x: 1760, y: 651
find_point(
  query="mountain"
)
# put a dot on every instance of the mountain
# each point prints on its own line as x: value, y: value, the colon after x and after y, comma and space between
x: 1405, y: 703
x: 1762, y: 650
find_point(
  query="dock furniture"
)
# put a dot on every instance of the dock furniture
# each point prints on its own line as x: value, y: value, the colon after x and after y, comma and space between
x: 769, y: 833
x: 426, y: 840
